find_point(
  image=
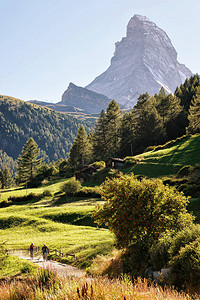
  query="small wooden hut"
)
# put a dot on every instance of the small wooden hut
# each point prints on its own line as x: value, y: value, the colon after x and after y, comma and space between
x: 115, y: 163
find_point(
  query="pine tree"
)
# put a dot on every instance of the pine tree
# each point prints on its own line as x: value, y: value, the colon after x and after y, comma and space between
x: 172, y: 114
x: 99, y: 138
x: 106, y: 136
x: 150, y: 127
x: 113, y: 122
x: 80, y: 151
x: 187, y: 91
x: 28, y: 162
x: 194, y: 114
x: 6, y: 178
x: 128, y: 131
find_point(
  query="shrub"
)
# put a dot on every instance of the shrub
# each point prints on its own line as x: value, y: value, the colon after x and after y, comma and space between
x: 184, y: 237
x: 159, y: 251
x: 99, y: 164
x: 47, y: 193
x: 138, y: 209
x: 185, y: 267
x: 89, y: 192
x: 71, y: 187
x: 29, y: 197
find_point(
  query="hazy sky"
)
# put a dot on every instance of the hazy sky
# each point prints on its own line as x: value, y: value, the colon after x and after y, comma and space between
x: 46, y: 44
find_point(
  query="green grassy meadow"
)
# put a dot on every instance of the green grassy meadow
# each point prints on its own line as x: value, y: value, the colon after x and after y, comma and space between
x: 65, y: 223
x: 60, y: 223
x: 169, y: 160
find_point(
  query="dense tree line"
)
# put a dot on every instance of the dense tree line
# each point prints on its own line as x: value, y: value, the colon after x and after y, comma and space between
x: 152, y: 121
x: 53, y: 132
x: 7, y: 161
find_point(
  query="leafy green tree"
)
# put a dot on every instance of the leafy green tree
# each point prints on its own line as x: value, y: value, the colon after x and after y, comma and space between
x: 28, y: 162
x: 194, y: 114
x: 141, y: 210
x: 80, y: 152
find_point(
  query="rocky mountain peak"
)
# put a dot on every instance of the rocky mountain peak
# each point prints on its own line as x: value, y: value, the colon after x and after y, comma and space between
x: 143, y: 61
x: 84, y: 99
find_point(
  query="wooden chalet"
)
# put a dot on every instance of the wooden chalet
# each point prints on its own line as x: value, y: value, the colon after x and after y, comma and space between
x: 115, y: 163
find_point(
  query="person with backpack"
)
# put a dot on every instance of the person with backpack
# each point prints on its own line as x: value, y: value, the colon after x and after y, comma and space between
x: 31, y: 248
x: 45, y: 252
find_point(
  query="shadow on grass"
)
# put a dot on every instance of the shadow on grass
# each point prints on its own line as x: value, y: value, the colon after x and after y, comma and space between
x: 72, y: 218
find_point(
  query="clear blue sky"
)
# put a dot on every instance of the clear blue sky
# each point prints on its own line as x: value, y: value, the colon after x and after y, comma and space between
x: 45, y: 44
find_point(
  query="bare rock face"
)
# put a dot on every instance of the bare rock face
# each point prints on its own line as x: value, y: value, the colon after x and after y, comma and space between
x: 144, y: 61
x: 84, y: 99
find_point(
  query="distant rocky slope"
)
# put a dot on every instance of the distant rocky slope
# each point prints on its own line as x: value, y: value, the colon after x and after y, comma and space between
x: 144, y: 61
x: 88, y: 101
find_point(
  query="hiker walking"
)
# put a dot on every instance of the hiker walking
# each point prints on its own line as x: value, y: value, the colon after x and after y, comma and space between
x: 31, y: 248
x: 45, y: 252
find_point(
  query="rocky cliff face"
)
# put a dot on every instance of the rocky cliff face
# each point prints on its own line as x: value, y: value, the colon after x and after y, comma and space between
x: 88, y: 101
x: 144, y: 61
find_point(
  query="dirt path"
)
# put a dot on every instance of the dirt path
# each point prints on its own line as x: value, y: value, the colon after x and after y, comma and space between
x: 61, y: 269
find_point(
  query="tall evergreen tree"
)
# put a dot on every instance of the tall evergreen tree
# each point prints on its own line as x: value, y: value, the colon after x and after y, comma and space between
x: 187, y: 91
x: 172, y: 114
x: 80, y: 151
x: 150, y: 127
x: 99, y: 138
x: 28, y: 162
x: 194, y: 114
x: 128, y: 134
x: 106, y: 136
x: 6, y: 178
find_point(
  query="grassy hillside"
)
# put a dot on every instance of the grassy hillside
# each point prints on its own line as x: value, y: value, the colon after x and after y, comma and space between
x: 54, y: 132
x: 61, y: 223
x: 169, y: 159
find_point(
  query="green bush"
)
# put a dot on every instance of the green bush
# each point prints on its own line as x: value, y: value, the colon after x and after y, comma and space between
x: 136, y: 209
x: 185, y: 267
x: 47, y: 193
x: 159, y: 251
x: 99, y: 164
x: 29, y: 197
x: 184, y: 237
x: 89, y: 192
x: 71, y: 187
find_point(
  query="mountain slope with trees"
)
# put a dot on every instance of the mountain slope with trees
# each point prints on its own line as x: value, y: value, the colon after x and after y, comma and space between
x: 53, y: 132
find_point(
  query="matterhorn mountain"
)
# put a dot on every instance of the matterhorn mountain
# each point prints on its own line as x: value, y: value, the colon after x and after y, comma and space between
x: 143, y: 61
